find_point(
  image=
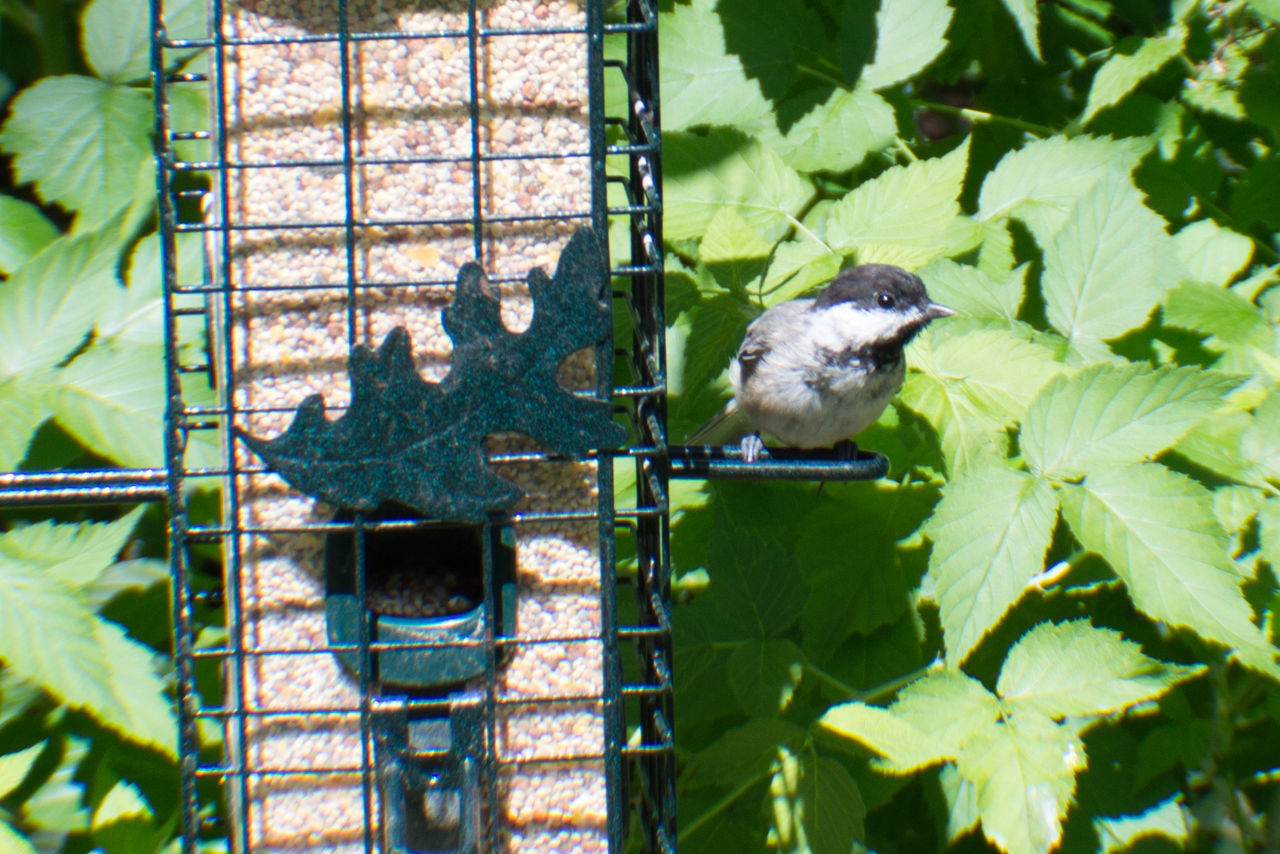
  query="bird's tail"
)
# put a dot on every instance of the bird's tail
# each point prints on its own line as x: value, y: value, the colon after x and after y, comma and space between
x: 725, y: 427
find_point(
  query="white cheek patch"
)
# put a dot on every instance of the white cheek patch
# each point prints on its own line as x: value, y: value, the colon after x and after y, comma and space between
x: 842, y: 325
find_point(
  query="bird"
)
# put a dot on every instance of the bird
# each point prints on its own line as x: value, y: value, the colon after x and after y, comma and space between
x: 814, y: 372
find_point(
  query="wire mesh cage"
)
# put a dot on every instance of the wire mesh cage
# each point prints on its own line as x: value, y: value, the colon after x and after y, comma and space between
x: 378, y: 188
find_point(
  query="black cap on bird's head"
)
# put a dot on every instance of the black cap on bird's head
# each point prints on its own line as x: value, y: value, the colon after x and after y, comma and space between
x: 882, y: 286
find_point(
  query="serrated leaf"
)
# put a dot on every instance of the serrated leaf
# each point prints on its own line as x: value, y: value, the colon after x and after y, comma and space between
x: 82, y: 142
x: 112, y: 399
x: 48, y: 636
x: 1216, y: 311
x: 1121, y: 73
x: 73, y: 553
x: 49, y: 305
x: 702, y: 81
x: 817, y: 807
x: 1100, y: 271
x: 971, y: 292
x: 796, y: 268
x: 1024, y: 772
x: 1156, y: 529
x: 126, y: 575
x: 22, y: 410
x: 1040, y: 182
x: 1026, y: 16
x: 1072, y: 669
x: 741, y: 753
x: 764, y: 674
x: 716, y: 329
x: 705, y: 174
x: 729, y: 237
x: 14, y: 767
x: 756, y: 587
x: 903, y: 746
x: 909, y: 35
x: 837, y: 135
x: 1210, y: 253
x: 949, y: 705
x: 975, y: 380
x: 117, y: 39
x: 24, y: 231
x: 1260, y: 440
x: 990, y: 533
x: 122, y: 802
x: 1106, y: 416
x: 1164, y: 819
x: 12, y: 841
x: 906, y: 215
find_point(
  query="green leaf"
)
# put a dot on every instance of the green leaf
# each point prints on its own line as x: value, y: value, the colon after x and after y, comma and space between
x: 909, y: 35
x: 1122, y: 73
x: 122, y: 802
x: 22, y: 410
x: 741, y: 753
x: 702, y: 82
x: 962, y: 802
x: 723, y: 169
x: 1100, y: 271
x: 903, y: 746
x: 15, y: 766
x: 971, y: 292
x: 48, y: 636
x: 990, y: 533
x: 1041, y: 182
x: 1105, y: 416
x: 835, y: 136
x: 975, y: 380
x: 1025, y: 14
x: 82, y: 141
x: 797, y: 267
x: 1164, y: 819
x: 816, y: 805
x: 756, y: 587
x: 24, y: 231
x: 1260, y: 441
x: 126, y: 575
x: 12, y: 841
x: 112, y: 399
x: 764, y: 675
x: 1024, y: 772
x: 1157, y: 530
x: 952, y: 707
x: 117, y: 39
x: 1210, y: 253
x: 906, y: 215
x: 73, y: 553
x: 729, y: 237
x: 1072, y: 669
x: 51, y: 302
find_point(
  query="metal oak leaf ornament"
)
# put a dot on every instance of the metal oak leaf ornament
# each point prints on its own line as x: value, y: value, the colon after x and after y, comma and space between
x: 422, y: 444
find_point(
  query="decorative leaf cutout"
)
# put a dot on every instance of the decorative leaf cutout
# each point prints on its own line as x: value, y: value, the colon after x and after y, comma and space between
x: 422, y: 444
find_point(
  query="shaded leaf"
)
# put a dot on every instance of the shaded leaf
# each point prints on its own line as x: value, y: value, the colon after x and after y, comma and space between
x: 741, y: 753
x: 764, y: 674
x: 836, y: 135
x: 723, y: 169
x: 703, y: 83
x: 816, y: 805
x: 1026, y: 16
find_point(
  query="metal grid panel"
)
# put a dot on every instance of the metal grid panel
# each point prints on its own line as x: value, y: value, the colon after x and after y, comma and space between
x: 341, y: 221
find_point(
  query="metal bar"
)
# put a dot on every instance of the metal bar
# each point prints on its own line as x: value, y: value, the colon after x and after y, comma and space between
x: 58, y: 488
x: 709, y: 463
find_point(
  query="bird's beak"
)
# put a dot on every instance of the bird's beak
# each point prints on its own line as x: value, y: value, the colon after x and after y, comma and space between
x: 933, y: 311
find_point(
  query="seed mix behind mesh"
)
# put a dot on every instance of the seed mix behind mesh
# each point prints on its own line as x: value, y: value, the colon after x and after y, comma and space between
x: 292, y: 251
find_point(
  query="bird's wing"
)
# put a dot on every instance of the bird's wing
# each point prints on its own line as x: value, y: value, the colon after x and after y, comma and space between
x: 725, y: 427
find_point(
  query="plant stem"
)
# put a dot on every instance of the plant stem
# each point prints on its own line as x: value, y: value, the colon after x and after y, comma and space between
x: 720, y: 806
x: 824, y: 77
x: 979, y: 116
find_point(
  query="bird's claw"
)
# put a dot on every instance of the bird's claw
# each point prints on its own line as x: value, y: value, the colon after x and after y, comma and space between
x: 751, y: 446
x: 846, y: 449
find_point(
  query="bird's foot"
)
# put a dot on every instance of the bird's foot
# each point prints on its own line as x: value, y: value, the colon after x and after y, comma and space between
x: 752, y: 446
x: 846, y: 449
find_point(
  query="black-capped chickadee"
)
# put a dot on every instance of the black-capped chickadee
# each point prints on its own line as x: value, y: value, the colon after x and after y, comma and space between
x: 814, y: 372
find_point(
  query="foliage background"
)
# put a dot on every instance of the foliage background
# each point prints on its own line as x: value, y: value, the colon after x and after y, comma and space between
x: 1053, y: 625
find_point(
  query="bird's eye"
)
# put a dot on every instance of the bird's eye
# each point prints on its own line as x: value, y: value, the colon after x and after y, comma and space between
x: 885, y: 300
